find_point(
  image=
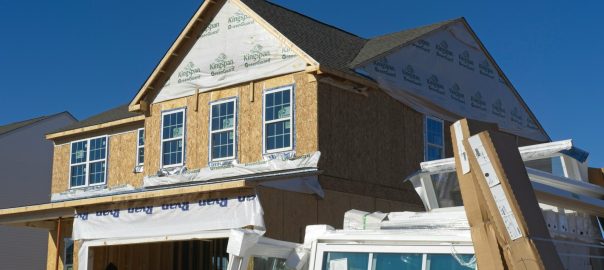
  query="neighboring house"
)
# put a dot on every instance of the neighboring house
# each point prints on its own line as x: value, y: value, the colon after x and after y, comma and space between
x: 260, y: 117
x: 26, y: 165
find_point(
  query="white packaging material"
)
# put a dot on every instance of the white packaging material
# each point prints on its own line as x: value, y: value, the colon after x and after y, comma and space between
x: 309, y: 161
x: 354, y: 219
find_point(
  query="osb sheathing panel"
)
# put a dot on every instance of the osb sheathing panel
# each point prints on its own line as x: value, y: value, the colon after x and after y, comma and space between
x: 120, y: 163
x: 122, y: 160
x: 369, y: 139
x: 66, y: 229
x: 249, y: 144
x: 60, y: 168
x: 286, y: 214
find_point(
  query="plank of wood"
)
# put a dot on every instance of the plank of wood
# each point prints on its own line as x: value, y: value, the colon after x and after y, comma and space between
x: 487, y: 250
x: 511, y: 201
x: 95, y: 127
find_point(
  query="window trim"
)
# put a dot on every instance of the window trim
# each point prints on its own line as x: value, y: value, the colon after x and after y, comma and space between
x: 138, y: 146
x: 65, y: 246
x: 423, y: 250
x: 183, y: 136
x: 426, y: 143
x: 234, y: 128
x: 87, y: 162
x: 291, y: 118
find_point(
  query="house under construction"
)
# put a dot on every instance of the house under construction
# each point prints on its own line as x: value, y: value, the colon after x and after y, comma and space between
x: 260, y: 117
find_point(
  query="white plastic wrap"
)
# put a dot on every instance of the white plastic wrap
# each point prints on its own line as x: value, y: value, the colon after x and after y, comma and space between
x: 275, y: 167
x: 233, y: 49
x: 98, y: 191
x: 448, y: 69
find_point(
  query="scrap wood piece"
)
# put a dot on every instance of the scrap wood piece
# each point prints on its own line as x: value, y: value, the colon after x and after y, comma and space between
x: 511, y: 201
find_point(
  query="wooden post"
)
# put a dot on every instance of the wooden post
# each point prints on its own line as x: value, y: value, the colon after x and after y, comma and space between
x: 509, y: 196
x: 58, y: 255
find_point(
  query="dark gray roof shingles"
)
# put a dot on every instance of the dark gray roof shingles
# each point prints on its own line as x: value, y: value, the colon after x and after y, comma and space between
x: 117, y: 113
x: 16, y: 125
x: 382, y: 44
x: 330, y: 46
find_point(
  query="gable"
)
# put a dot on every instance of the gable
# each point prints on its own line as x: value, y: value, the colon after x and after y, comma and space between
x: 449, y: 69
x: 234, y: 48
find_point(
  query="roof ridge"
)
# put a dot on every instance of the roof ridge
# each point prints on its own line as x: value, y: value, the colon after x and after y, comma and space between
x: 416, y: 28
x: 310, y: 18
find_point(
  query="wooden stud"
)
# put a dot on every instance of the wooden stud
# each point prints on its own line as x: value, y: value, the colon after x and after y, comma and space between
x: 251, y: 88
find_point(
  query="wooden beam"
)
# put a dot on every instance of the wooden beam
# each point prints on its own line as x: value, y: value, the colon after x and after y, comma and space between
x: 7, y: 214
x: 96, y: 127
x: 176, y: 45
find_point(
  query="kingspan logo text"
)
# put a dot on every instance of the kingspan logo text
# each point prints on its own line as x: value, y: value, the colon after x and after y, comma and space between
x: 383, y: 67
x: 465, y: 61
x: 212, y: 29
x: 239, y: 19
x: 256, y: 56
x: 435, y: 85
x: 486, y: 70
x: 189, y: 73
x: 409, y: 75
x: 442, y: 50
x: 222, y: 65
x: 423, y: 45
x: 497, y: 108
x: 516, y: 116
x: 456, y: 94
x: 477, y: 101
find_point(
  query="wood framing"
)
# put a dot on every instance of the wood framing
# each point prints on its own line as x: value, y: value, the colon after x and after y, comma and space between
x: 97, y: 127
x: 185, y: 42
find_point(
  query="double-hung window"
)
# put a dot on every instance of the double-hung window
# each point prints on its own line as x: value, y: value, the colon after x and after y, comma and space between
x: 140, y: 147
x: 88, y: 162
x: 223, y: 137
x: 172, y: 138
x: 434, y: 137
x: 278, y: 120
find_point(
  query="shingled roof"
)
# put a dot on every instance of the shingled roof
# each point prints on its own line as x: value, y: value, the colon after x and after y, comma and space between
x: 331, y: 46
x: 383, y: 44
x: 17, y: 125
x: 114, y: 114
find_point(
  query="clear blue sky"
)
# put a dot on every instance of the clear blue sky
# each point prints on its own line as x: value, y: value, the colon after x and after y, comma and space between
x: 88, y: 56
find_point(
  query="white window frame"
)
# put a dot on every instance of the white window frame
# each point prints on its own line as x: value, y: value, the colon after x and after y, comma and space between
x: 182, y: 137
x: 87, y: 162
x: 423, y: 249
x: 426, y: 143
x: 290, y: 118
x: 234, y: 129
x: 138, y: 146
x: 65, y: 244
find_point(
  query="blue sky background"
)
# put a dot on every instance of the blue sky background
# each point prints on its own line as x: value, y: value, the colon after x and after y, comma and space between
x: 88, y: 56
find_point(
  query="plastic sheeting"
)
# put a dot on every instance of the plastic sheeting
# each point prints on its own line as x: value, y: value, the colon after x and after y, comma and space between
x: 233, y: 49
x: 448, y: 69
x: 275, y: 167
x: 184, y: 217
x: 169, y: 219
x: 96, y: 191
